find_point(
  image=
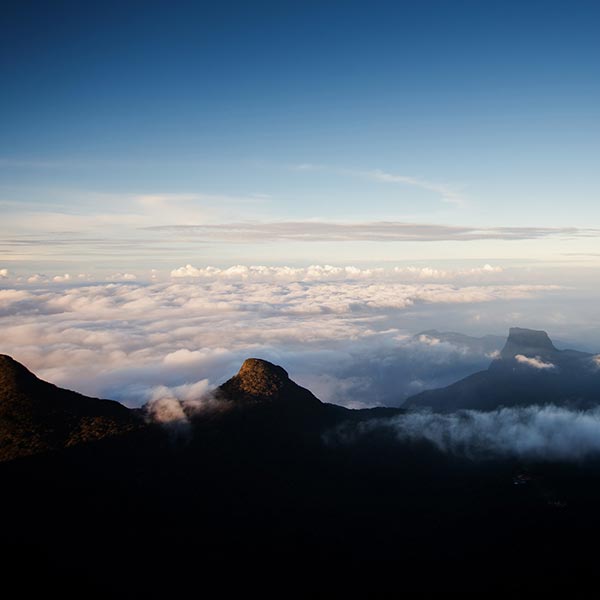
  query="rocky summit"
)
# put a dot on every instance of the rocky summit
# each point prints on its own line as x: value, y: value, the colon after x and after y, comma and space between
x: 260, y: 379
x: 261, y: 382
x: 527, y: 342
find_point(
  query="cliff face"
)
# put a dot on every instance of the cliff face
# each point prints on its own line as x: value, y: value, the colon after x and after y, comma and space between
x: 527, y: 342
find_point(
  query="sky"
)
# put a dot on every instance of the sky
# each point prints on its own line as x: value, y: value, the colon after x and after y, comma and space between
x: 373, y: 161
x: 123, y: 125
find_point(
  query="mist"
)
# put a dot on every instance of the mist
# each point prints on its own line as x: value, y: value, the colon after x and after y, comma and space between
x: 547, y: 433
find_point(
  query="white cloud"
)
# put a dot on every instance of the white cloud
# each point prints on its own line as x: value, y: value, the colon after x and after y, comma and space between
x: 330, y: 273
x: 534, y: 362
x: 122, y: 277
x: 541, y: 433
x: 183, y: 356
x: 347, y: 337
x: 429, y: 340
x: 62, y: 278
x: 166, y: 410
x: 37, y: 278
x: 3, y: 273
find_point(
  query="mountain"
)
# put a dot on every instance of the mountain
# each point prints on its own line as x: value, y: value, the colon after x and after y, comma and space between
x: 36, y: 416
x: 529, y: 370
x: 484, y: 345
x: 261, y: 382
x: 261, y: 396
x: 257, y: 493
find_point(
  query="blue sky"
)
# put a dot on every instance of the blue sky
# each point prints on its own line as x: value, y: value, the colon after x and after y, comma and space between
x: 184, y: 185
x: 118, y: 119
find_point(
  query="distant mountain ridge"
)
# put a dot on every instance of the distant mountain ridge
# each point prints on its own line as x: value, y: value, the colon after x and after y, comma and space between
x: 529, y: 370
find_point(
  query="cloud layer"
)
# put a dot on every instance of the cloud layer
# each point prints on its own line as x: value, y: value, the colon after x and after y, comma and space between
x: 534, y: 432
x: 330, y: 272
x: 344, y: 333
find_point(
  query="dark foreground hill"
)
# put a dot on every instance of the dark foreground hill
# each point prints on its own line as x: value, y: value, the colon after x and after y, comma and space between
x: 36, y: 416
x: 257, y: 498
x: 529, y: 370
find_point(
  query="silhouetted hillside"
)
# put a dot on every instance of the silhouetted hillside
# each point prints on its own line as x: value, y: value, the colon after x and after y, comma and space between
x: 258, y: 495
x: 36, y: 416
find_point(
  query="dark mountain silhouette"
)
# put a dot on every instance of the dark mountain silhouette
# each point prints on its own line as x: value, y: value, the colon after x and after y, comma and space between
x: 529, y: 370
x: 36, y: 416
x: 257, y: 495
x: 262, y: 397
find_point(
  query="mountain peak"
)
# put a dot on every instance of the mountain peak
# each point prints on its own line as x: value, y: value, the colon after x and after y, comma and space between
x: 261, y: 378
x: 527, y: 341
x: 260, y: 382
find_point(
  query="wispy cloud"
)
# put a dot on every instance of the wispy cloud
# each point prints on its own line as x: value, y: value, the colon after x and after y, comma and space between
x: 535, y: 362
x: 534, y: 432
x: 447, y: 193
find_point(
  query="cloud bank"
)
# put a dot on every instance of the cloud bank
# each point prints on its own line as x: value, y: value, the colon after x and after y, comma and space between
x: 345, y: 334
x: 534, y: 432
x: 330, y: 272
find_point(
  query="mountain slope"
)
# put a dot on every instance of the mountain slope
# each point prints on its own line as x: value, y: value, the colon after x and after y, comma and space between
x: 530, y: 370
x: 36, y: 416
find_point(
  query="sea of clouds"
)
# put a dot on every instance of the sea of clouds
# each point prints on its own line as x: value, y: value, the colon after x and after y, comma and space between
x: 345, y: 333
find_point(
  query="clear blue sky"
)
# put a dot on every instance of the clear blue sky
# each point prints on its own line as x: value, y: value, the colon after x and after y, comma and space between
x: 118, y: 118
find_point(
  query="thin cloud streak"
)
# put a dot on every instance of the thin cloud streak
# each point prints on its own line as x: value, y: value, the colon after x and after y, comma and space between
x: 446, y: 192
x: 379, y: 231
